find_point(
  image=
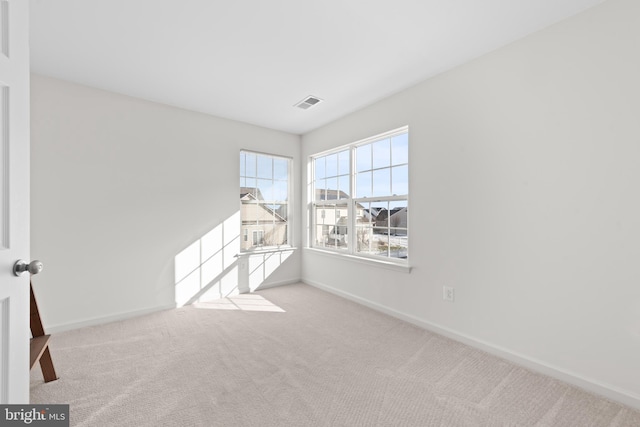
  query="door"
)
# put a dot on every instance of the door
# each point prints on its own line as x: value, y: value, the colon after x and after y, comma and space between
x: 14, y: 200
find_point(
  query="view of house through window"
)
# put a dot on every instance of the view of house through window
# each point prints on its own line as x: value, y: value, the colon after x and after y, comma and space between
x: 360, y: 197
x: 264, y: 197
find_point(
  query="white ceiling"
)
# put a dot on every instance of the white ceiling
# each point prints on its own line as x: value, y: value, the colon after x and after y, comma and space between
x: 251, y: 60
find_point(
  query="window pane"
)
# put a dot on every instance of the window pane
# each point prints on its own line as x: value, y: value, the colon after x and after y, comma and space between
x: 280, y: 191
x: 320, y: 189
x: 321, y: 214
x: 364, y: 215
x: 343, y: 187
x: 338, y: 234
x: 363, y: 184
x: 343, y: 162
x: 332, y: 165
x: 265, y: 189
x: 275, y: 234
x: 243, y: 160
x: 283, y: 211
x: 381, y: 211
x: 400, y: 149
x: 381, y: 154
x: 331, y: 226
x: 266, y: 213
x: 249, y: 212
x: 364, y: 239
x: 269, y: 227
x: 322, y: 233
x: 265, y: 167
x: 332, y: 188
x: 280, y: 167
x: 382, y: 220
x: 250, y: 169
x: 319, y: 166
x: 248, y: 193
x: 400, y: 180
x: 363, y: 158
x: 398, y: 243
x: 377, y: 207
x: 250, y: 185
x: 382, y: 182
x: 399, y: 232
x: 398, y: 204
x: 398, y: 217
x: 380, y: 242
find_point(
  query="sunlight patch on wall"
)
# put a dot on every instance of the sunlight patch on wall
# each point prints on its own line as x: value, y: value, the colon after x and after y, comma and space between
x: 207, y: 269
x: 261, y: 266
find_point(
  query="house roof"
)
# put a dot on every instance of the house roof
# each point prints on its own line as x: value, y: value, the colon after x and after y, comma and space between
x: 249, y: 193
x: 252, y: 192
x: 323, y: 194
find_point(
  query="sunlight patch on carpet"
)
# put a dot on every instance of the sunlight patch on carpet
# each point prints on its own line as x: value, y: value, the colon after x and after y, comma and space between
x: 244, y: 302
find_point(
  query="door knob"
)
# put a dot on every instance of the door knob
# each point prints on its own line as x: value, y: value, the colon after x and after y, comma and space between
x: 21, y: 267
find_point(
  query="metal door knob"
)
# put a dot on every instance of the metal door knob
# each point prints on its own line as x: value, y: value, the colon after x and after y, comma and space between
x: 21, y: 267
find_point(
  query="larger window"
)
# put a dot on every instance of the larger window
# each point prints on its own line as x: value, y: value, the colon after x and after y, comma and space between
x: 264, y: 197
x: 360, y: 196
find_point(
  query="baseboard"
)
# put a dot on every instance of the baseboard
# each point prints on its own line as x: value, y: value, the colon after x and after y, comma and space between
x: 105, y: 319
x: 604, y: 390
x: 276, y: 284
x: 54, y: 329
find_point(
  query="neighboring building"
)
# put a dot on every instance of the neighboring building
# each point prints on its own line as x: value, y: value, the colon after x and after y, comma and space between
x: 331, y: 220
x: 262, y: 225
x: 396, y: 218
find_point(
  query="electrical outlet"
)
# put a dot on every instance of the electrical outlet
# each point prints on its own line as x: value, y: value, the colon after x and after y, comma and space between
x: 447, y: 293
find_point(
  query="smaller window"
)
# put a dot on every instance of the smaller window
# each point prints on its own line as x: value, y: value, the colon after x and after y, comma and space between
x: 264, y: 200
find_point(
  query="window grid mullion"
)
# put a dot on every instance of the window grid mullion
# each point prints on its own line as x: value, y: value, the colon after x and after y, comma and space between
x: 351, y: 205
x: 371, y: 170
x: 390, y: 166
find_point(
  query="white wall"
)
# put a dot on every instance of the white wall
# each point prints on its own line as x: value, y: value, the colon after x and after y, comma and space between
x: 524, y: 197
x: 120, y: 187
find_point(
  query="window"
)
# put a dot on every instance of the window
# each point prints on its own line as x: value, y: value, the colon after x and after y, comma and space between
x: 264, y: 197
x: 360, y: 196
x: 258, y: 237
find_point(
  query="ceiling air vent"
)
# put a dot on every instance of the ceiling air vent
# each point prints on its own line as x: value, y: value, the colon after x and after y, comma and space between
x: 308, y: 102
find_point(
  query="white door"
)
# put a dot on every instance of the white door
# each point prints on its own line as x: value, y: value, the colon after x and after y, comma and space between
x: 14, y: 200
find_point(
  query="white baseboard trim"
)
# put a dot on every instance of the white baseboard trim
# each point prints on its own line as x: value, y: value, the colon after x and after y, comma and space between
x: 590, y: 385
x: 276, y: 284
x: 105, y: 319
x: 54, y: 329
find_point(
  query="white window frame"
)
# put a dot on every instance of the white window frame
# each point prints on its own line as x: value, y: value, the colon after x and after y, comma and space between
x: 290, y: 208
x: 351, y: 202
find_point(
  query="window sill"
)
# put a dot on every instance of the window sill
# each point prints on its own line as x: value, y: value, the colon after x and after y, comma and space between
x: 404, y: 268
x: 266, y: 251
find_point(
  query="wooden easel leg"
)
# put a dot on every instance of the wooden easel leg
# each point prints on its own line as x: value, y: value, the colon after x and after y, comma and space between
x: 40, y: 346
x: 46, y: 363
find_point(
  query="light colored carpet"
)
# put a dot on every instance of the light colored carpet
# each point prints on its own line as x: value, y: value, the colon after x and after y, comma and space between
x: 298, y: 356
